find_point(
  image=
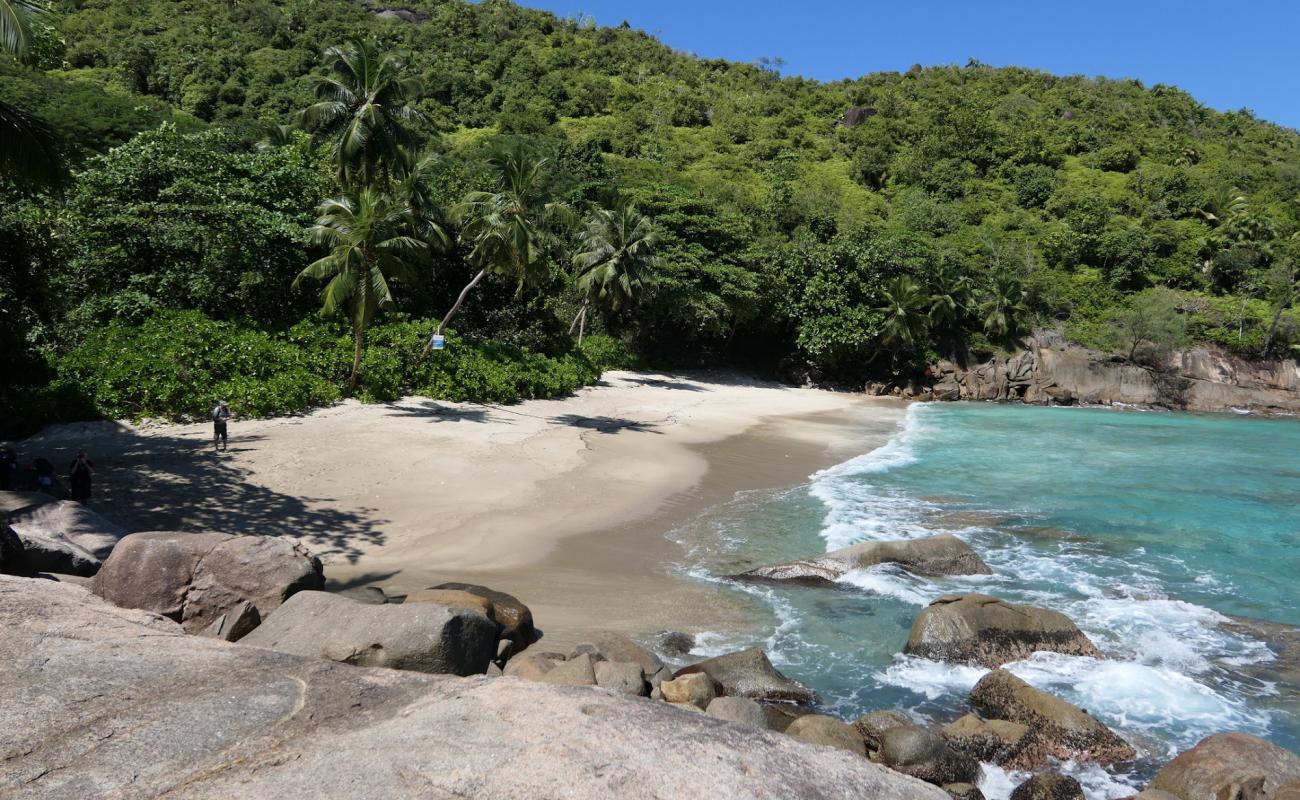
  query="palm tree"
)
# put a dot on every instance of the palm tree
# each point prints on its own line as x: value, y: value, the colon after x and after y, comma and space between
x: 368, y: 234
x: 362, y: 107
x: 1004, y: 309
x: 28, y: 151
x: 905, y: 309
x: 507, y: 230
x: 616, y: 254
x: 949, y: 302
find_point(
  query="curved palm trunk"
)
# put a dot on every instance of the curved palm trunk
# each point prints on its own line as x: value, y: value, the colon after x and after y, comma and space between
x: 359, y: 339
x: 580, y: 319
x: 442, y: 326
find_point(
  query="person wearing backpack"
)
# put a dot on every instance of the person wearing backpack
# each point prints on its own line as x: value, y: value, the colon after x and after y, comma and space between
x: 220, y: 415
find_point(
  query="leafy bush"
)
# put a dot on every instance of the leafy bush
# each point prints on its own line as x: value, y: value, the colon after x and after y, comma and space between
x: 606, y: 352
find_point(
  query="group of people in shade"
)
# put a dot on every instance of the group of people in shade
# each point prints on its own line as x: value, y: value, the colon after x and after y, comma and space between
x: 39, y: 474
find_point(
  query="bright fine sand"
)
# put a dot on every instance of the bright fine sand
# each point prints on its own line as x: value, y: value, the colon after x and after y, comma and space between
x: 564, y: 503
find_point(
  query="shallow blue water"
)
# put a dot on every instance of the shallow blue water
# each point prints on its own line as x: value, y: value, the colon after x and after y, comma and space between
x: 1145, y: 528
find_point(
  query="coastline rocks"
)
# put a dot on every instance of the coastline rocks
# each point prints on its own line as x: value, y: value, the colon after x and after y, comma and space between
x: 873, y: 725
x: 675, y: 643
x: 531, y: 666
x: 749, y: 673
x: 997, y: 741
x: 1228, y: 766
x: 1048, y: 786
x: 618, y: 648
x: 621, y: 677
x: 827, y: 731
x: 576, y: 671
x: 934, y: 555
x: 1059, y: 729
x: 740, y: 710
x: 515, y: 618
x: 65, y: 537
x: 979, y: 629
x: 235, y: 624
x: 696, y: 688
x: 123, y: 704
x: 917, y: 751
x: 194, y: 578
x: 423, y: 637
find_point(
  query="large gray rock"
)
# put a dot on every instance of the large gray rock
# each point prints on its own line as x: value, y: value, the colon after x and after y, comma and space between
x: 1060, y: 729
x: 65, y: 537
x: 919, y: 752
x: 1229, y: 766
x: 424, y: 637
x: 978, y: 629
x: 748, y: 673
x: 124, y: 705
x: 195, y: 578
x: 515, y: 618
x: 934, y: 555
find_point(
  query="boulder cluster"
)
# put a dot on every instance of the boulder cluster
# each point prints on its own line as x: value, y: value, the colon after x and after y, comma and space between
x: 199, y: 659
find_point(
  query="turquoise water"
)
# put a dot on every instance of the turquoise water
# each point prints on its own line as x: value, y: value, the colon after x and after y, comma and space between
x: 1144, y: 528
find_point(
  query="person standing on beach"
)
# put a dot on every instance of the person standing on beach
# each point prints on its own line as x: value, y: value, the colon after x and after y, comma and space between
x: 79, y: 475
x: 220, y: 416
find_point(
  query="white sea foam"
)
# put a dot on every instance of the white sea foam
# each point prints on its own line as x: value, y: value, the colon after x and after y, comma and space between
x: 934, y: 679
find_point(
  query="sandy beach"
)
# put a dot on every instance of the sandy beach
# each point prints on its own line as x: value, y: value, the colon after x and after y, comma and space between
x: 564, y: 503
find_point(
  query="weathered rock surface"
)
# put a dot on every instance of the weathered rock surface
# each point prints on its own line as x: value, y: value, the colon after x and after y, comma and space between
x: 740, y: 710
x: 616, y: 647
x: 423, y: 637
x: 65, y: 537
x: 934, y: 555
x: 1048, y: 786
x: 697, y: 688
x: 1200, y: 379
x: 978, y: 629
x: 124, y: 705
x: 236, y: 623
x: 621, y: 676
x: 997, y: 741
x: 963, y: 791
x: 919, y: 752
x: 748, y: 673
x: 515, y: 618
x: 532, y: 666
x: 1229, y: 766
x: 829, y: 732
x: 194, y: 578
x: 873, y: 724
x: 1060, y: 729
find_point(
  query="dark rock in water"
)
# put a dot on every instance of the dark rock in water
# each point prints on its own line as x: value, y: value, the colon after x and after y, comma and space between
x: 827, y: 731
x: 996, y: 741
x: 676, y: 643
x: 1059, y: 729
x: 934, y: 555
x: 236, y: 623
x: 978, y: 629
x: 515, y: 618
x: 1048, y: 786
x: 748, y: 673
x: 125, y: 705
x: 1229, y: 766
x: 963, y: 791
x: 917, y: 751
x: 194, y: 578
x: 423, y: 637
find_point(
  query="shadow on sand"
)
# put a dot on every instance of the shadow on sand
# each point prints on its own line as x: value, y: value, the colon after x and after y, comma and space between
x: 605, y: 424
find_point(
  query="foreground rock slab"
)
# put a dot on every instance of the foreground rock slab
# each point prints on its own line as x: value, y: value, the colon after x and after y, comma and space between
x: 195, y: 578
x: 934, y: 555
x: 1228, y: 765
x: 125, y: 705
x: 424, y: 637
x: 978, y: 629
x: 1058, y: 728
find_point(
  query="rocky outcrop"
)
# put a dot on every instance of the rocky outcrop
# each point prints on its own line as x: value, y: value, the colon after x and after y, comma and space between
x: 1058, y: 729
x: 828, y: 732
x: 934, y: 555
x: 996, y: 741
x: 100, y: 701
x: 65, y: 537
x: 424, y: 637
x: 1048, y: 786
x: 195, y: 578
x: 748, y: 673
x: 1229, y: 766
x: 1049, y: 373
x: 978, y: 629
x: 740, y: 710
x: 515, y: 618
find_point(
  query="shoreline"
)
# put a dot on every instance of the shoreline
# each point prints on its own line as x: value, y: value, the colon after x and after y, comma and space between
x: 564, y: 503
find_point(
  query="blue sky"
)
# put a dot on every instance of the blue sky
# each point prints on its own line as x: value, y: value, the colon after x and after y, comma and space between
x: 1229, y: 55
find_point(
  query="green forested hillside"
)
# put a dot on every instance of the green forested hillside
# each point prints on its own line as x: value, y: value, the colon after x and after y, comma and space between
x: 833, y: 231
